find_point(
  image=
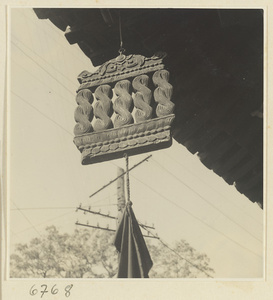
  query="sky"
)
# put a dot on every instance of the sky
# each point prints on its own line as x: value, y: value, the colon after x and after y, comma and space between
x: 172, y: 190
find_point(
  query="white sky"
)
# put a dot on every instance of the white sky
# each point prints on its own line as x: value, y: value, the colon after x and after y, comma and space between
x: 173, y: 189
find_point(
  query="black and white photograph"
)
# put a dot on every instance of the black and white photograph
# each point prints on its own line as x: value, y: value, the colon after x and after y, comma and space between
x: 135, y: 147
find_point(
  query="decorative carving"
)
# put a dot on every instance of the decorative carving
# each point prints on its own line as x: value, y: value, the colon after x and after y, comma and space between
x: 123, y: 104
x: 134, y: 139
x: 103, y: 108
x: 138, y: 125
x: 120, y: 68
x: 84, y: 112
x: 163, y: 93
x: 143, y: 98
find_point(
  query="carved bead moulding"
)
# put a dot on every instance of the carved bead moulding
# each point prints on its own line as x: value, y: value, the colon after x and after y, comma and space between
x: 124, y: 107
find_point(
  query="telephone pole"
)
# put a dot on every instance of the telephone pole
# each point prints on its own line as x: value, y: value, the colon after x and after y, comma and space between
x: 120, y: 193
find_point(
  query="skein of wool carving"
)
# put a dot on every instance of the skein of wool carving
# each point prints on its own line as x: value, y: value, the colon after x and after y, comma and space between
x: 143, y: 98
x: 163, y: 93
x: 123, y: 104
x: 103, y: 108
x: 84, y: 112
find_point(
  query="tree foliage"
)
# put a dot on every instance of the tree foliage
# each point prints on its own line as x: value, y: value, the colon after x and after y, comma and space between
x: 85, y: 253
x: 90, y: 253
x: 178, y: 261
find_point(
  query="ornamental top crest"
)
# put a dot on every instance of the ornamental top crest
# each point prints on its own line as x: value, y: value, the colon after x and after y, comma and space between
x: 123, y: 107
x: 121, y: 67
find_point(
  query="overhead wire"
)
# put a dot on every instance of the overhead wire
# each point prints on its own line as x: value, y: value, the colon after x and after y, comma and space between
x: 26, y: 70
x: 32, y: 226
x: 122, y: 174
x: 200, y: 220
x: 178, y: 254
x: 204, y: 199
x: 229, y: 200
x: 24, y: 100
x: 100, y: 200
x: 65, y: 207
x: 133, y: 176
x: 45, y: 70
x: 66, y: 112
x: 45, y: 61
x: 56, y: 123
x: 53, y: 29
x: 52, y: 219
x: 161, y: 195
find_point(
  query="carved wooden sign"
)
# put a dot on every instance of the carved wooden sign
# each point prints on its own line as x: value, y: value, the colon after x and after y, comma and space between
x: 124, y: 107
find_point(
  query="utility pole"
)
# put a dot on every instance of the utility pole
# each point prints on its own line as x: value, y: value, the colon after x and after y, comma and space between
x: 121, y: 202
x: 120, y: 194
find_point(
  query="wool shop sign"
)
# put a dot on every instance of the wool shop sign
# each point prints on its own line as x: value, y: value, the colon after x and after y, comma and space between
x: 123, y: 107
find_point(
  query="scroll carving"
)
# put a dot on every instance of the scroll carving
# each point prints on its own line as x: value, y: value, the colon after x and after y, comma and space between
x: 133, y: 109
x: 123, y: 104
x: 103, y: 108
x: 84, y: 112
x: 143, y: 98
x: 120, y: 68
x: 163, y: 93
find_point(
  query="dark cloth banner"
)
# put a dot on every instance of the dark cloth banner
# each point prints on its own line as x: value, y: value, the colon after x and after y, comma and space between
x: 134, y: 257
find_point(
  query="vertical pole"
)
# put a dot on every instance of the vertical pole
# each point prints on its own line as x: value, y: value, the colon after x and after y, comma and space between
x: 120, y: 193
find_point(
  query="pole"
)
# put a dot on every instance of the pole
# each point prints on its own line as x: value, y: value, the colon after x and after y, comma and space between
x: 120, y: 193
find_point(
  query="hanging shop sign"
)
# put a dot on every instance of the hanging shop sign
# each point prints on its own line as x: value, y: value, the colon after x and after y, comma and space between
x: 123, y: 107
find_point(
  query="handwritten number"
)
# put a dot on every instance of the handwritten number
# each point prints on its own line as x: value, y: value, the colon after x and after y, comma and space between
x: 54, y: 290
x: 68, y: 289
x: 45, y: 290
x: 32, y: 291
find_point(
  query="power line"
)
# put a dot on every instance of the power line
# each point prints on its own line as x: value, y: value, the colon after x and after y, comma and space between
x: 200, y: 220
x: 57, y: 124
x: 32, y: 226
x: 48, y: 34
x: 156, y: 191
x: 179, y: 255
x: 216, y: 208
x: 193, y: 190
x: 177, y: 161
x: 122, y: 174
x: 47, y: 221
x: 53, y: 28
x: 62, y: 215
x: 67, y: 207
x: 43, y: 68
x: 42, y: 208
x: 100, y: 200
x: 26, y: 70
x: 21, y: 42
x: 49, y: 118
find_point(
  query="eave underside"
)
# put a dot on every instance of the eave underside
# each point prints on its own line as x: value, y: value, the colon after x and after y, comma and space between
x: 215, y: 58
